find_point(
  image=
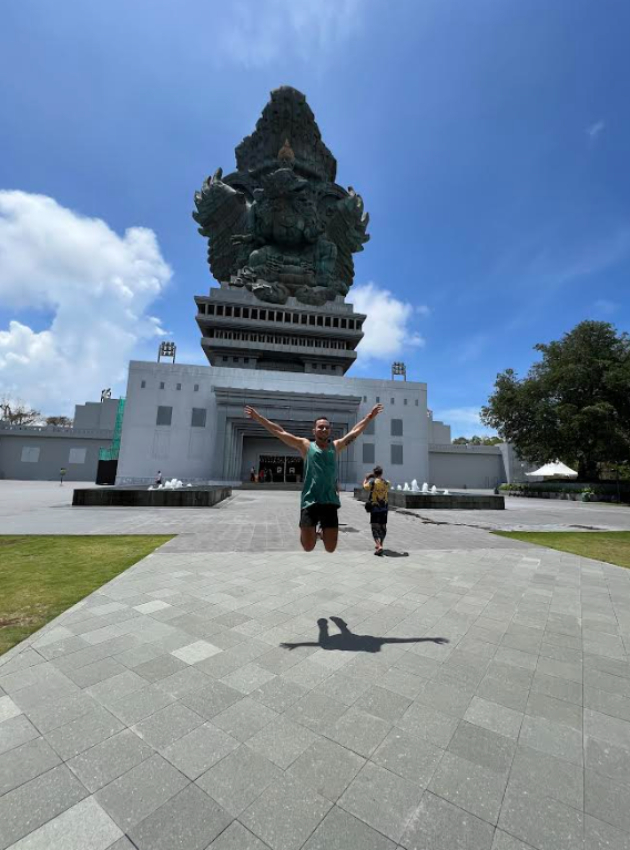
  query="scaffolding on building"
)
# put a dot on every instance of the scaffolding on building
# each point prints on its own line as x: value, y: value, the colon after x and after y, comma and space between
x: 114, y: 450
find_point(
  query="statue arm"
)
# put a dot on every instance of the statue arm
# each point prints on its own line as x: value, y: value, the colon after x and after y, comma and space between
x: 217, y: 202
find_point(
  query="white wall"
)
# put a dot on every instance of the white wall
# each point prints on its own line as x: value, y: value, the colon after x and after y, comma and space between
x: 189, y: 453
x: 465, y: 468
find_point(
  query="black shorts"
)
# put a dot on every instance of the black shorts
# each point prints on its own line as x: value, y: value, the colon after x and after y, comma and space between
x: 325, y: 515
x: 378, y: 517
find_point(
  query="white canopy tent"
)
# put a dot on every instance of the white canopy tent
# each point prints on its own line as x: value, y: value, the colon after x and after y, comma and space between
x: 554, y: 470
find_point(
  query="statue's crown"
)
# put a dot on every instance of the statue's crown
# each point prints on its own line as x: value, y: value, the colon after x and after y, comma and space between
x: 287, y: 131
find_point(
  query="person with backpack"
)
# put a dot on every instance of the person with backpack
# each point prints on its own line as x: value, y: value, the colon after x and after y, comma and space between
x: 377, y: 506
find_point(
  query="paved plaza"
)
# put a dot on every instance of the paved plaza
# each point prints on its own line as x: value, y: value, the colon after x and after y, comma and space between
x: 229, y: 692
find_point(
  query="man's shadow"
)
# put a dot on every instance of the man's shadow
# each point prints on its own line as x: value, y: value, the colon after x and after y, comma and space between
x: 346, y: 641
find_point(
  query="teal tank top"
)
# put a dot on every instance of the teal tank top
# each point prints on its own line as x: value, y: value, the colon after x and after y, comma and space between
x: 320, y: 477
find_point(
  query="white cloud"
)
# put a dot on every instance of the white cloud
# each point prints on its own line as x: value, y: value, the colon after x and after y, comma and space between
x: 98, y: 286
x: 388, y: 331
x: 464, y: 421
x: 252, y: 34
x: 595, y: 129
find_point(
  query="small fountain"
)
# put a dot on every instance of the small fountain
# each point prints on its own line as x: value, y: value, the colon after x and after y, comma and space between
x: 414, y: 486
x: 406, y: 488
x: 399, y: 487
x: 433, y: 490
x: 425, y: 487
x: 446, y: 493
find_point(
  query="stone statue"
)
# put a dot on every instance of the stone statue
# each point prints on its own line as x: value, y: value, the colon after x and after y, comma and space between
x: 279, y: 225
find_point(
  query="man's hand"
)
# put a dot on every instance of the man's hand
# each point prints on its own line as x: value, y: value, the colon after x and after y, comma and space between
x: 251, y: 412
x: 378, y: 408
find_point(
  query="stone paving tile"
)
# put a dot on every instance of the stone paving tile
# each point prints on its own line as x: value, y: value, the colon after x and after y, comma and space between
x: 282, y: 741
x: 540, y: 774
x: 132, y: 797
x: 438, y: 825
x: 552, y: 737
x: 196, y: 752
x: 236, y: 837
x: 483, y: 747
x: 607, y: 760
x: 239, y: 779
x: 541, y: 821
x: 160, y: 668
x: 560, y: 711
x: 602, y: 836
x: 474, y: 788
x: 285, y: 814
x: 383, y: 800
x: 326, y: 767
x: 85, y: 732
x: 16, y: 731
x: 110, y: 759
x: 517, y: 620
x: 243, y: 719
x: 423, y: 722
x: 167, y: 725
x: 497, y: 718
x: 606, y: 800
x: 278, y: 694
x: 317, y: 711
x: 359, y: 732
x: 503, y: 841
x: 8, y: 709
x: 24, y: 763
x: 140, y: 704
x: 36, y: 802
x: 188, y: 821
x: 340, y: 831
x: 83, y: 827
x: 551, y: 686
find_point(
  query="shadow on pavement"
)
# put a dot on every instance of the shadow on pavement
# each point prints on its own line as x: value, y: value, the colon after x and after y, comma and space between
x: 347, y: 641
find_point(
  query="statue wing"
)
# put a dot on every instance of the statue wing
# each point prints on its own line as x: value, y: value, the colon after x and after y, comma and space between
x: 222, y: 212
x: 346, y: 226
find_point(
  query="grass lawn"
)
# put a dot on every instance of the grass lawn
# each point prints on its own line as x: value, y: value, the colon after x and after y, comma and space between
x: 610, y: 546
x: 42, y: 576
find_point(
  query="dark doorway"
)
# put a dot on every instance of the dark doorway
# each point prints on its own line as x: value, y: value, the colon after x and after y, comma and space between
x: 106, y: 472
x: 281, y: 469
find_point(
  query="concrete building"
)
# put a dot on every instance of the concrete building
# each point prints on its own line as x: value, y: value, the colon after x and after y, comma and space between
x: 37, y: 453
x: 188, y: 421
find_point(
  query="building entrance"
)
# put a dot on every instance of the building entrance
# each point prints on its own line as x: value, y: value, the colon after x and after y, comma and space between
x: 281, y: 468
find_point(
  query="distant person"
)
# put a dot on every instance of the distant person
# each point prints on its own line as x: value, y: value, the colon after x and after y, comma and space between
x: 158, y: 478
x: 62, y: 473
x: 252, y: 474
x: 261, y: 476
x: 378, y: 502
x: 320, y: 501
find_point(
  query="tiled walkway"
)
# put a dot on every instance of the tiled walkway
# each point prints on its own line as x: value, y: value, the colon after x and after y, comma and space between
x: 481, y: 700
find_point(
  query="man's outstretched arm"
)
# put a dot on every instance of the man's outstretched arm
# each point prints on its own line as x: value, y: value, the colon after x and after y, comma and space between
x: 358, y: 429
x: 299, y: 443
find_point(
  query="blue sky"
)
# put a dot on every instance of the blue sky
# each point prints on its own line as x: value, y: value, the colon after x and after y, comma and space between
x: 488, y: 139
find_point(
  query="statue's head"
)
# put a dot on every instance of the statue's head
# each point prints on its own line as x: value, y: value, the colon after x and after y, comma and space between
x: 282, y: 182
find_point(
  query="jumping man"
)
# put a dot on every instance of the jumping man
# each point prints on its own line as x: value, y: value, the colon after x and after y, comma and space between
x: 320, y: 500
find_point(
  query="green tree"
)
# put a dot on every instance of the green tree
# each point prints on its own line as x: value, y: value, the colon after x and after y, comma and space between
x: 17, y: 413
x: 574, y: 404
x: 477, y: 441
